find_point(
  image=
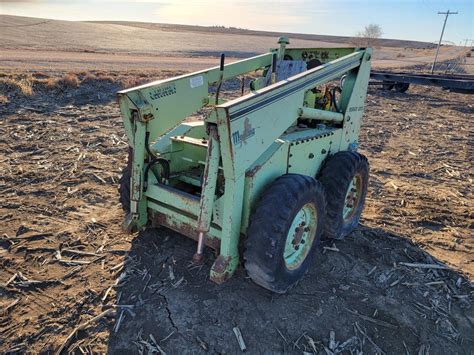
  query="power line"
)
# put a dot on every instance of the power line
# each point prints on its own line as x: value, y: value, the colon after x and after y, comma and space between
x: 441, y: 38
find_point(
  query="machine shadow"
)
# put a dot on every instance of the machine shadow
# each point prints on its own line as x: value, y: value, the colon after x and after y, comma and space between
x: 357, y: 288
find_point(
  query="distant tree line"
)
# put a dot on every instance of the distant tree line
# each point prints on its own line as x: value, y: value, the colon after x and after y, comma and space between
x: 368, y: 36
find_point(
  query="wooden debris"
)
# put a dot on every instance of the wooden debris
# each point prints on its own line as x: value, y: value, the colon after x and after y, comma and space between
x: 7, y: 308
x: 18, y: 280
x: 119, y: 321
x: 240, y: 339
x: 371, y: 271
x: 202, y: 343
x: 171, y: 273
x: 31, y: 235
x: 118, y: 266
x: 373, y: 320
x: 160, y: 350
x: 168, y: 336
x: 295, y: 343
x: 282, y: 336
x: 79, y: 252
x: 377, y: 348
x: 424, y: 266
x: 311, y: 343
x: 332, y: 340
x: 68, y: 340
x: 74, y: 262
x: 333, y: 248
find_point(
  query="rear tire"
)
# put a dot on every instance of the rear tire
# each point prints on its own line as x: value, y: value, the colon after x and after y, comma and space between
x: 345, y: 177
x: 284, y: 232
x: 124, y: 184
x: 124, y: 190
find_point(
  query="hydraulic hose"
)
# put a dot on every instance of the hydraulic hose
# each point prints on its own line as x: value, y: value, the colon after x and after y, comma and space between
x: 165, y: 165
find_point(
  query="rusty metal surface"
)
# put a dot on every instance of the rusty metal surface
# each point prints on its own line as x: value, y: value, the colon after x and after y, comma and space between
x: 160, y: 219
x: 220, y: 269
x: 173, y: 197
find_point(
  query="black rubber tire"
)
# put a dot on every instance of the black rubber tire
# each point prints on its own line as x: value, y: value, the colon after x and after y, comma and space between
x: 402, y: 87
x: 124, y: 190
x: 124, y: 184
x: 268, y: 229
x: 336, y: 174
x: 313, y: 63
x: 387, y: 86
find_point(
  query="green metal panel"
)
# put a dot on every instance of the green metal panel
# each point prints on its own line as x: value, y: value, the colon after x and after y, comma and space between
x: 254, y: 122
x: 208, y: 191
x: 173, y: 197
x: 356, y: 103
x: 263, y: 172
x: 170, y: 100
x: 125, y: 107
x: 308, y: 149
x: 164, y: 145
x: 228, y: 258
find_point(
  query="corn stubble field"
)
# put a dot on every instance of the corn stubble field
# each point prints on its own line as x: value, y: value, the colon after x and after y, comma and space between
x: 71, y: 280
x: 65, y: 259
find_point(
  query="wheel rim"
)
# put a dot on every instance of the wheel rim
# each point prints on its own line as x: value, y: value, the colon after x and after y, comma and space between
x: 300, y: 236
x: 353, y: 196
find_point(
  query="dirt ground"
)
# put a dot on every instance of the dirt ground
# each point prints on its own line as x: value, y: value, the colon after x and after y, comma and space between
x: 64, y: 259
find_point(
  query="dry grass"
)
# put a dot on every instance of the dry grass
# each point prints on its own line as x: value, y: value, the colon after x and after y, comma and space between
x: 28, y: 84
x: 131, y: 81
x: 88, y: 77
x: 40, y: 75
x: 23, y: 85
x: 70, y: 80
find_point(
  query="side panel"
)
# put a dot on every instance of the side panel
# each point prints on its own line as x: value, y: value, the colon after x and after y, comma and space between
x: 272, y: 164
x: 170, y: 101
x: 355, y: 105
x: 254, y: 123
x: 167, y: 103
x: 307, y: 154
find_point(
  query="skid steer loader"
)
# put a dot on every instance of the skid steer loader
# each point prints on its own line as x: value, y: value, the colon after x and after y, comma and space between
x: 261, y: 177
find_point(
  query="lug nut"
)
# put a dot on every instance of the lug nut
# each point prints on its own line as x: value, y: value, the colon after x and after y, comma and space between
x: 306, y: 229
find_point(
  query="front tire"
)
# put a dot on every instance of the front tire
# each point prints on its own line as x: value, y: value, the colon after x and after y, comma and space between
x: 284, y: 232
x: 345, y: 177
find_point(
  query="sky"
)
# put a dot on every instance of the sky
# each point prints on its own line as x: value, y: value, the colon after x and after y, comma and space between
x: 400, y: 19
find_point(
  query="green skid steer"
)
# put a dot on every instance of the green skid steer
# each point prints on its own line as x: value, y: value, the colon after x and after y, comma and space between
x: 262, y: 177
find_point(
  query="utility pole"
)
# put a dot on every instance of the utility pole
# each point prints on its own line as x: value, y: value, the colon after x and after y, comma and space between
x: 441, y: 38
